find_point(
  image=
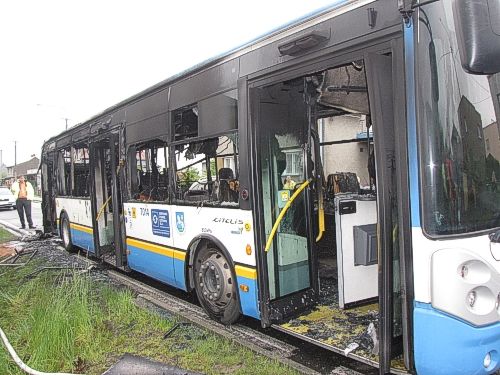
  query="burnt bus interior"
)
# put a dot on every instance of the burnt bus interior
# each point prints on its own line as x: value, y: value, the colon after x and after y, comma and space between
x: 326, y: 120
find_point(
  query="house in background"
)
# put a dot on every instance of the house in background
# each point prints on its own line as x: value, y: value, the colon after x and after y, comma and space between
x: 492, y: 139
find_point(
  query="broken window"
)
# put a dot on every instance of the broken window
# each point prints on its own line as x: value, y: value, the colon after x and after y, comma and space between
x: 185, y: 121
x: 81, y: 171
x: 206, y: 171
x: 64, y: 172
x: 149, y: 174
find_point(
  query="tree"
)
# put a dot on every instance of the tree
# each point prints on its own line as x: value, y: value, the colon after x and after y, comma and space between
x: 187, y: 177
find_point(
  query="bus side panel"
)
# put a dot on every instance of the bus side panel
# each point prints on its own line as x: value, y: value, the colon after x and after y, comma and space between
x: 149, y: 241
x: 152, y: 260
x: 83, y: 237
x: 247, y: 283
x: 80, y: 217
x: 233, y: 228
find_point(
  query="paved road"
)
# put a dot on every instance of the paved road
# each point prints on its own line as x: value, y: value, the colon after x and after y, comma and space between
x: 12, y: 217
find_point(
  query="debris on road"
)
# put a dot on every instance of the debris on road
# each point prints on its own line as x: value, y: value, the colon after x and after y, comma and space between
x: 131, y: 364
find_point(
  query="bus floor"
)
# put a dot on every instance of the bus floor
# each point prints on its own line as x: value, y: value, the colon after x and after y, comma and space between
x: 338, y: 329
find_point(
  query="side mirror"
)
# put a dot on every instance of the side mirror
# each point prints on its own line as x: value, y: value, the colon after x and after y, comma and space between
x: 477, y: 24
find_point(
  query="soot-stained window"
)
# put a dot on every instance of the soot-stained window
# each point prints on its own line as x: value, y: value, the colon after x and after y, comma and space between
x: 149, y: 171
x: 206, y: 172
x: 64, y: 172
x: 81, y: 171
x: 185, y: 123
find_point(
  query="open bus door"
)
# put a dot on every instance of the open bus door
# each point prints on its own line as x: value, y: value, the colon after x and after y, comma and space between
x: 288, y: 208
x: 48, y: 190
x: 380, y: 88
x: 288, y: 283
x: 106, y: 199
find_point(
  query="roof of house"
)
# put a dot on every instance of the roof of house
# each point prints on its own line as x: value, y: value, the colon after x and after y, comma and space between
x: 23, y: 168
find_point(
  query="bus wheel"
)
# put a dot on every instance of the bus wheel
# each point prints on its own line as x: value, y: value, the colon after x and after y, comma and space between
x: 216, y: 286
x: 66, y: 233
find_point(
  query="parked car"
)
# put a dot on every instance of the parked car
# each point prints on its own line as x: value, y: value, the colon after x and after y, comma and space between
x: 7, y: 199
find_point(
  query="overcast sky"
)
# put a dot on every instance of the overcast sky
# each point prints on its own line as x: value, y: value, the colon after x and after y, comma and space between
x: 73, y: 59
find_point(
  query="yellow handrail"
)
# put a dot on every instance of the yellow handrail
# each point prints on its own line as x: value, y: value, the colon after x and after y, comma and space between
x: 321, y: 218
x: 101, y: 210
x: 283, y: 212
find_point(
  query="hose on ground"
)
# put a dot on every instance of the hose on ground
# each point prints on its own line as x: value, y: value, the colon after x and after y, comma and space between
x: 20, y: 363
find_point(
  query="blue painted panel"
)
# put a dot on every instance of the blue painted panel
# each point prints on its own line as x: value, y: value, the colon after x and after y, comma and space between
x: 248, y: 300
x: 159, y: 267
x: 82, y: 239
x: 412, y: 126
x: 446, y: 345
x: 179, y: 272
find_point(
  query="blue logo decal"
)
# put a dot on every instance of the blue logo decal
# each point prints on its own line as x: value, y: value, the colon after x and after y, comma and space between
x: 179, y: 221
x: 160, y: 223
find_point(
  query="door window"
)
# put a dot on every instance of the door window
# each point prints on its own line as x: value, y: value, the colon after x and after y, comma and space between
x: 283, y: 125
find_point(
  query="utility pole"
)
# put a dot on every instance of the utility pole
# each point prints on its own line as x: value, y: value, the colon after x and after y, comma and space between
x: 66, y: 119
x: 15, y: 159
x: 1, y: 163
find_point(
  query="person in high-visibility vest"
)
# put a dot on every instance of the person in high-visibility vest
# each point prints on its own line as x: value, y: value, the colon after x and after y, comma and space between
x: 24, y: 193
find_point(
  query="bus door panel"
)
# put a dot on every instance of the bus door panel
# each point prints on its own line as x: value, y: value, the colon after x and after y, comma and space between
x: 48, y: 194
x: 282, y: 144
x: 106, y: 200
x: 380, y: 86
x: 100, y: 196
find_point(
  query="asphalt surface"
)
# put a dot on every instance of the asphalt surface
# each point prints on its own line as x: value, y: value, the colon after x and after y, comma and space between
x: 10, y: 216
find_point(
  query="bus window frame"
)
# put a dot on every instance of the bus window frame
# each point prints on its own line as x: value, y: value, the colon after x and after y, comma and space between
x: 131, y: 153
x: 173, y: 168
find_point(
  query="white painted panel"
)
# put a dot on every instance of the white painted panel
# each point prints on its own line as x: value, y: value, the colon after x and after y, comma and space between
x: 424, y: 248
x: 232, y: 227
x: 356, y: 283
x: 78, y: 209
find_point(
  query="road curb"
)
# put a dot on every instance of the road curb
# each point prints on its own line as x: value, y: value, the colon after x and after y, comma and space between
x: 13, y: 229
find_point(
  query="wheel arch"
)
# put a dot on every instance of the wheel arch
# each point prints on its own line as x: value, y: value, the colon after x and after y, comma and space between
x: 61, y: 214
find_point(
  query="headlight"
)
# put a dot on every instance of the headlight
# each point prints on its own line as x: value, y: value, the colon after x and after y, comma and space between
x: 471, y: 298
x: 487, y: 360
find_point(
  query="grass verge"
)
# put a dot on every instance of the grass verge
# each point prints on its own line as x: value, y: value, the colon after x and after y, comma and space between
x: 5, y: 236
x: 73, y: 323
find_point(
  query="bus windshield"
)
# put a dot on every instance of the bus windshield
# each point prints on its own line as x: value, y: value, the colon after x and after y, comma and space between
x: 458, y: 132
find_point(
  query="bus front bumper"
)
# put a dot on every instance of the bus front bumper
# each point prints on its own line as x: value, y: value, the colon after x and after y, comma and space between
x: 446, y: 345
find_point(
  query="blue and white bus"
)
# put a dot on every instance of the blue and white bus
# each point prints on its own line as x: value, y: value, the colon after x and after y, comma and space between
x: 337, y: 179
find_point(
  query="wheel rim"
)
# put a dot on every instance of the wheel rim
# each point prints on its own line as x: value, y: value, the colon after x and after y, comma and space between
x: 215, y: 280
x: 65, y: 233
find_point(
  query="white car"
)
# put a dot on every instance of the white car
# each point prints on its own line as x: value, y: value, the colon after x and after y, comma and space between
x: 7, y: 199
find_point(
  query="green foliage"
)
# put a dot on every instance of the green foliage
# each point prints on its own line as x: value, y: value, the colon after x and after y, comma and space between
x: 213, y: 168
x: 73, y: 323
x: 188, y: 176
x: 6, y: 236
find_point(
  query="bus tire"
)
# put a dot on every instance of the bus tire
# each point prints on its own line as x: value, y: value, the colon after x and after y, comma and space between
x: 215, y: 285
x: 66, y: 233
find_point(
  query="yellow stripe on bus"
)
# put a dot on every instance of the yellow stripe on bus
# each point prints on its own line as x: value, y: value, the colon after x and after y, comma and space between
x: 249, y: 273
x: 81, y: 228
x: 181, y: 255
x: 158, y: 249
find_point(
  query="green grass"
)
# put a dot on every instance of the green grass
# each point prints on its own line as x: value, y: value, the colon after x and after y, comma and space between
x: 75, y: 324
x: 5, y: 236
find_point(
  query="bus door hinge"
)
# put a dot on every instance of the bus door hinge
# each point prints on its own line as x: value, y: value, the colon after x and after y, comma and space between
x: 406, y: 9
